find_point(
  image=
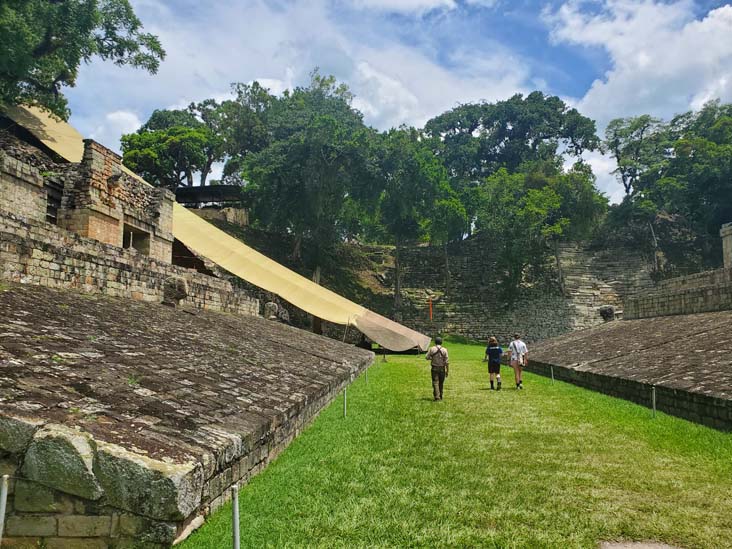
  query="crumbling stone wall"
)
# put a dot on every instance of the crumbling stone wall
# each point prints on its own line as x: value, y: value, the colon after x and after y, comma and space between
x: 125, y: 423
x: 103, y: 199
x: 40, y: 253
x: 21, y: 188
x: 466, y: 298
x: 697, y: 293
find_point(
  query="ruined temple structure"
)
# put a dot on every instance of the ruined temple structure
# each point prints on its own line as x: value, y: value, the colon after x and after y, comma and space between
x: 135, y: 386
x: 673, y: 347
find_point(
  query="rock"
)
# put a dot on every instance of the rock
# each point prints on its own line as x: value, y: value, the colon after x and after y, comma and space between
x: 607, y: 312
x: 62, y: 458
x: 16, y: 434
x: 31, y: 497
x: 145, y: 486
x: 270, y: 310
x: 175, y: 289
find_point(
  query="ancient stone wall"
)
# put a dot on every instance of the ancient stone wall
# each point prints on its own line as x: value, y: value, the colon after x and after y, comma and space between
x: 40, y: 253
x: 124, y: 423
x: 679, y: 355
x: 697, y: 293
x: 726, y: 234
x: 21, y: 188
x: 466, y: 297
x: 103, y: 202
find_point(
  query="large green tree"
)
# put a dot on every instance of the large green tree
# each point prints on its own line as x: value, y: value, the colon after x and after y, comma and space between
x: 316, y: 161
x: 678, y: 179
x: 43, y: 43
x: 412, y: 179
x: 476, y: 139
x: 527, y: 213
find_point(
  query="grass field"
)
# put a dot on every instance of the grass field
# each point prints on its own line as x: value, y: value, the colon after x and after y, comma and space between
x: 550, y: 466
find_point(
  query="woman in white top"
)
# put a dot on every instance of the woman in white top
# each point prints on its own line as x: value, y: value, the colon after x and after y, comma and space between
x: 519, y: 359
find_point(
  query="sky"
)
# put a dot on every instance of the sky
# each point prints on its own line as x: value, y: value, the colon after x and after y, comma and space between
x: 407, y: 61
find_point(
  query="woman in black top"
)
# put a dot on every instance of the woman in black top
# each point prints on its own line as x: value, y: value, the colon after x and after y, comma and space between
x: 493, y: 355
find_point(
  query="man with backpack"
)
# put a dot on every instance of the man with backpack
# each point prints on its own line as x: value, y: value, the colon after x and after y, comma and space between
x: 437, y: 355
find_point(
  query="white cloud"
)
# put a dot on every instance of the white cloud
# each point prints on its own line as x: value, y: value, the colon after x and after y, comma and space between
x: 403, y: 6
x: 241, y: 41
x: 663, y: 60
x: 115, y: 124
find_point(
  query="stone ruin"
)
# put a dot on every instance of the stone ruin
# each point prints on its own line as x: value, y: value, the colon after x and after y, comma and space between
x: 675, y: 342
x: 124, y: 422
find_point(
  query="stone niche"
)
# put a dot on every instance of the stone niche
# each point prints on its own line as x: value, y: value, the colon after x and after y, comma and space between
x: 103, y: 202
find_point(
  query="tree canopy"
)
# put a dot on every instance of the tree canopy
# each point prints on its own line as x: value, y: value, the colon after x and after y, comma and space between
x: 44, y: 43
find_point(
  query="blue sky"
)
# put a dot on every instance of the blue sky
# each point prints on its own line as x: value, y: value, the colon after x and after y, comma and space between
x: 409, y: 60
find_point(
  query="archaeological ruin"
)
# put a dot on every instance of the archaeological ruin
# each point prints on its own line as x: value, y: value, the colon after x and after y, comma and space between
x: 139, y: 380
x: 135, y: 386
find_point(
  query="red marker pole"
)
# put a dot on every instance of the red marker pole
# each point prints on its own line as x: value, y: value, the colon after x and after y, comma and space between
x: 430, y: 302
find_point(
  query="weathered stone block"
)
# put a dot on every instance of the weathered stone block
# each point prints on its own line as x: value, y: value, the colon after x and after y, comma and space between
x: 30, y: 525
x: 22, y: 543
x: 71, y: 543
x: 16, y: 434
x: 63, y: 458
x: 31, y: 497
x: 152, y: 488
x: 84, y: 526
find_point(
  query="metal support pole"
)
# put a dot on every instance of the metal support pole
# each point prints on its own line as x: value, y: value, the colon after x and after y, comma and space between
x: 3, y: 501
x: 345, y: 401
x: 653, y: 399
x: 235, y: 515
x: 367, y: 375
x: 552, y: 367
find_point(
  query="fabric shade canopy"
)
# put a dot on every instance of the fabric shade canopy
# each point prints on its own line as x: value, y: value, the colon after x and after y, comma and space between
x: 235, y: 256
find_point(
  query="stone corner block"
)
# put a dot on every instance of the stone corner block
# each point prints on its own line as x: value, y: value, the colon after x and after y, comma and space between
x: 148, y: 487
x: 63, y: 458
x: 16, y: 433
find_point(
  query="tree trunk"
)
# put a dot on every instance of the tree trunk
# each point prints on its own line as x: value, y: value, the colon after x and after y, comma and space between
x: 317, y: 322
x: 656, y: 266
x: 397, y: 281
x: 205, y: 171
x: 297, y: 248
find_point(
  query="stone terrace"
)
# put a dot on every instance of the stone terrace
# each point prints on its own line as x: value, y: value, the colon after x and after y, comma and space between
x: 688, y: 358
x: 172, y: 406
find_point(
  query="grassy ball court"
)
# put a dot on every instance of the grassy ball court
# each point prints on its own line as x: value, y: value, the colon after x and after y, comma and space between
x: 550, y: 466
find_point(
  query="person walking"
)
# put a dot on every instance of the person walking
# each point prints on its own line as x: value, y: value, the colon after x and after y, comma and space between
x: 493, y: 355
x: 438, y: 357
x: 519, y: 359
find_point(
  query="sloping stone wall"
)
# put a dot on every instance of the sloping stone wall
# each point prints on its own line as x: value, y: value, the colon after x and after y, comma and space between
x: 688, y: 358
x: 125, y: 423
x: 40, y: 253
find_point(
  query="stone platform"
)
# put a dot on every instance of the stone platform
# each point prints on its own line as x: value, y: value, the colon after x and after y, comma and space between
x: 688, y: 358
x: 125, y: 422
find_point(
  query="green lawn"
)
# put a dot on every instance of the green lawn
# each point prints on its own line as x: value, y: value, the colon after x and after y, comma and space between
x: 551, y: 466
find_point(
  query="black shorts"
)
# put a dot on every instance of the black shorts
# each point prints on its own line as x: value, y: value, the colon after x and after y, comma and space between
x: 494, y: 368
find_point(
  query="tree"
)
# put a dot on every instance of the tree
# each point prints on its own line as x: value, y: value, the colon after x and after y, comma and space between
x: 411, y: 178
x: 45, y: 41
x: 447, y: 222
x: 316, y: 161
x: 475, y: 140
x: 167, y: 157
x: 638, y: 145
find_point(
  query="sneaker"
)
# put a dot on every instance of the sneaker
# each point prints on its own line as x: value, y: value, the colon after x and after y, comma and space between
x: 499, y: 387
x: 521, y: 386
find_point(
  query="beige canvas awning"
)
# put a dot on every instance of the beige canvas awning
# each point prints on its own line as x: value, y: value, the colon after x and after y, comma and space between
x: 235, y: 256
